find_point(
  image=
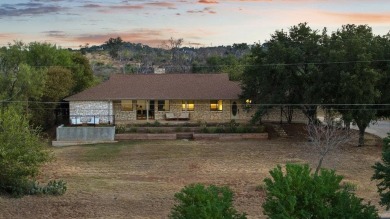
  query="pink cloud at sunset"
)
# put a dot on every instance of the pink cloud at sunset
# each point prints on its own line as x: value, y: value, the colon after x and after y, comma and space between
x: 375, y: 18
x: 208, y: 1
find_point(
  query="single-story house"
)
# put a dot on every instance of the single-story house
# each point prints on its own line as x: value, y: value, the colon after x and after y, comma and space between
x: 147, y: 97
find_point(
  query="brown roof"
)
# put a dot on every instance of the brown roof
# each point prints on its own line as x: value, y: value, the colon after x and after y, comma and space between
x: 162, y: 86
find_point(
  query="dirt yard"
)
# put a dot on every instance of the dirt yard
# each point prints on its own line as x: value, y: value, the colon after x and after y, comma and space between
x: 139, y: 179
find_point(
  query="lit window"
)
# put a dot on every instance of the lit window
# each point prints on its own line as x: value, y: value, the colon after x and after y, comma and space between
x: 216, y: 105
x: 127, y: 105
x: 163, y: 105
x: 248, y: 103
x: 188, y: 105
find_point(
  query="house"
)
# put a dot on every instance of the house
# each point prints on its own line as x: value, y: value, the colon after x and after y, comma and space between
x: 155, y: 97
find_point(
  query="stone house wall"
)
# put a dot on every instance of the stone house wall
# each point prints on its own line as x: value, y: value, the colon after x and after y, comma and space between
x: 86, y: 110
x: 111, y: 112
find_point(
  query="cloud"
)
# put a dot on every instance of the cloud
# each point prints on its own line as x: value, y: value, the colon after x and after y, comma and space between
x: 55, y: 34
x: 91, y: 6
x: 208, y: 1
x: 146, y: 36
x: 7, y: 36
x: 125, y: 6
x: 10, y: 10
x: 204, y: 10
x: 162, y: 4
x: 151, y: 37
x: 360, y: 17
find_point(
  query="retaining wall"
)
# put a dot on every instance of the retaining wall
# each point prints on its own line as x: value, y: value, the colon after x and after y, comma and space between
x: 81, y: 133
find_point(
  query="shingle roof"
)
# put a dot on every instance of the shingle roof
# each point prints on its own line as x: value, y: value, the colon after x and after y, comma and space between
x: 162, y: 86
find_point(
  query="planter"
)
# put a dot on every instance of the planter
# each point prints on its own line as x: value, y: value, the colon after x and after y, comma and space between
x: 195, y: 136
x: 145, y: 136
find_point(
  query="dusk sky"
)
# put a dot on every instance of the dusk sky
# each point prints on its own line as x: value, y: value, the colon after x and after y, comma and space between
x: 70, y: 23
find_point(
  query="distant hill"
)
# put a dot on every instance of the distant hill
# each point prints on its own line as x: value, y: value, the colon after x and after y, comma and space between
x: 136, y: 58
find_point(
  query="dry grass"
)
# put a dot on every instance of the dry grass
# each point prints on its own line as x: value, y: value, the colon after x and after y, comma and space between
x: 139, y: 179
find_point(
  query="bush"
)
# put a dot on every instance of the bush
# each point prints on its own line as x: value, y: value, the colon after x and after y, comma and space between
x: 120, y: 129
x: 133, y: 130
x: 300, y: 194
x: 198, y: 201
x: 21, y: 152
x: 382, y: 174
x: 52, y: 188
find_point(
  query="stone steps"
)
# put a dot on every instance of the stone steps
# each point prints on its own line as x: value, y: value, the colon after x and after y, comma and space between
x: 279, y: 130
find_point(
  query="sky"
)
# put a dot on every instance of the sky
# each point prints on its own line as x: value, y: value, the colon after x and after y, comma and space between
x: 74, y: 23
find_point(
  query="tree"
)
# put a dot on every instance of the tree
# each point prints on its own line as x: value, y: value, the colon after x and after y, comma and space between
x: 356, y: 88
x: 58, y: 85
x: 229, y: 64
x: 114, y: 45
x: 82, y: 73
x: 324, y: 139
x: 177, y: 60
x: 382, y: 174
x: 21, y: 152
x: 382, y: 53
x: 283, y: 71
x: 297, y: 193
x: 44, y: 55
x: 39, y: 72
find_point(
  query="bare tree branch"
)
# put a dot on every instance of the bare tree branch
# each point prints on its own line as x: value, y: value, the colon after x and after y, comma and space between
x: 325, y: 138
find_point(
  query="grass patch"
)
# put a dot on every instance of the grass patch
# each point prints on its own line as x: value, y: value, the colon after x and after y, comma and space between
x: 104, y: 152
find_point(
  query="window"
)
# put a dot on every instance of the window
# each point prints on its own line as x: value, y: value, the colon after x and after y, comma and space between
x: 215, y: 105
x: 127, y: 105
x: 163, y: 105
x: 188, y: 105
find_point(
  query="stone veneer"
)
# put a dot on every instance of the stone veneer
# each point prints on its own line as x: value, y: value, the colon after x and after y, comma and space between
x: 89, y: 109
x: 109, y: 111
x: 201, y: 112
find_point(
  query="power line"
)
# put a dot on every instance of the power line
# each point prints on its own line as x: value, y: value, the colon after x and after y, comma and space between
x: 241, y: 65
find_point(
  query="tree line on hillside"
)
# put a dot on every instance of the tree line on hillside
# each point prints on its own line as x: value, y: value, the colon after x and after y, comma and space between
x: 346, y: 72
x: 172, y: 56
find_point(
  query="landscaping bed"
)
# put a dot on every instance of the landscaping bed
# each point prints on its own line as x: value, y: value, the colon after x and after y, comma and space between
x: 224, y: 131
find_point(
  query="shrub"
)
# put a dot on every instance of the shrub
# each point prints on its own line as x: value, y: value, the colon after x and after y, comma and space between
x: 198, y: 201
x: 52, y: 188
x: 133, y: 130
x: 300, y: 194
x: 382, y: 174
x: 179, y: 129
x: 156, y: 124
x: 21, y: 152
x: 205, y: 130
x: 119, y: 129
x: 232, y: 126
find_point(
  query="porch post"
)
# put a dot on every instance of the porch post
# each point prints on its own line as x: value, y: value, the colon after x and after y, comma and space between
x: 147, y: 110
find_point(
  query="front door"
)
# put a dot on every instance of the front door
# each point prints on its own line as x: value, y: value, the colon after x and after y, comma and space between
x: 235, y: 110
x: 141, y: 109
x: 145, y: 109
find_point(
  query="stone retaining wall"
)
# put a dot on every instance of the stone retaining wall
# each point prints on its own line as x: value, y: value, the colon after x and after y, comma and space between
x: 196, y: 136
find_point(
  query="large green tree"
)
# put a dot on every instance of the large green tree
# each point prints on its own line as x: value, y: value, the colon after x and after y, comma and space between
x: 284, y: 71
x: 36, y: 73
x: 355, y: 90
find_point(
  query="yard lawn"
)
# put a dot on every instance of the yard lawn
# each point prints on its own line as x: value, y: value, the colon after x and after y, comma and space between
x: 138, y: 179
